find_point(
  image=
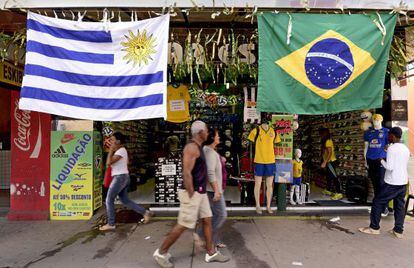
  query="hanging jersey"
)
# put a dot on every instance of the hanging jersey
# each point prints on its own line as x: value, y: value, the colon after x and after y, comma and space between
x: 264, y: 145
x: 377, y: 140
x: 329, y: 144
x: 177, y: 104
x: 297, y: 168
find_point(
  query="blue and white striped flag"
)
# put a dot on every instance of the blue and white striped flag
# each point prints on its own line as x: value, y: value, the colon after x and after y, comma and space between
x: 80, y: 70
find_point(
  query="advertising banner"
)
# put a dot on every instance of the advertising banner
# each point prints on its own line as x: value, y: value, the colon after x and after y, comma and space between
x: 71, y: 178
x: 282, y: 125
x: 30, y: 163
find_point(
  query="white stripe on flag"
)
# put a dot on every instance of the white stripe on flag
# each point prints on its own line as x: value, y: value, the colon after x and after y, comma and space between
x: 93, y: 91
x: 154, y: 111
x: 90, y: 68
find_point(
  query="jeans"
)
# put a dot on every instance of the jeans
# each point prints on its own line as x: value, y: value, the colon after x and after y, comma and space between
x: 219, y: 211
x: 376, y: 173
x: 387, y: 193
x: 119, y: 186
x: 332, y: 180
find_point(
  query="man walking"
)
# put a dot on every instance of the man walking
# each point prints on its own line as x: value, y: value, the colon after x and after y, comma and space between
x: 194, y: 201
x: 395, y: 186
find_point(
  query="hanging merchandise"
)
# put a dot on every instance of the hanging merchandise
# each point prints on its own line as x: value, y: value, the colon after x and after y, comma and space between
x: 96, y: 70
x: 177, y: 103
x: 250, y: 113
x: 325, y: 68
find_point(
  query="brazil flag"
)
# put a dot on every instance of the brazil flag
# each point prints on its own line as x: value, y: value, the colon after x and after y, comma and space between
x: 333, y: 62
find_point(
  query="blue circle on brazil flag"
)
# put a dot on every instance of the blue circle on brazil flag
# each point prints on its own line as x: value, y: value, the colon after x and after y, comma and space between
x: 329, y: 63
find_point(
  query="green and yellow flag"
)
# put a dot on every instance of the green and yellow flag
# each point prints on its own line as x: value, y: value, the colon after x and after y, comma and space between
x: 318, y: 64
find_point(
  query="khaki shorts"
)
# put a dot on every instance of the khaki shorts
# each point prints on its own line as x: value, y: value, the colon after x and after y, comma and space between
x: 191, y: 209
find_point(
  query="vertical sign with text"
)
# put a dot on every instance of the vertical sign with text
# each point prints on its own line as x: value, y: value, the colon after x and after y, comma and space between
x: 71, y: 178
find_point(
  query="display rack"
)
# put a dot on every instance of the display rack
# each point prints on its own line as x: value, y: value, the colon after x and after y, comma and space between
x: 168, y: 180
x: 348, y: 140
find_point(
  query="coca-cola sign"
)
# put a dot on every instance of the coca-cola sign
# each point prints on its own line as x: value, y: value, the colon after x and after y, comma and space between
x: 24, y: 123
x: 23, y: 128
x: 30, y: 164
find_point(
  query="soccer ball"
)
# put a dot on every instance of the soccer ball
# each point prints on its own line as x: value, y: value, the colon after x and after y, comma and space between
x: 295, y: 125
x: 366, y: 116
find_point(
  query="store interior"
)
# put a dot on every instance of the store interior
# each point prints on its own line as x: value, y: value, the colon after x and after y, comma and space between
x: 153, y: 143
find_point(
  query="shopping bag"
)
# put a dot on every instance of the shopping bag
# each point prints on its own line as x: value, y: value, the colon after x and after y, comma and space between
x: 108, y: 177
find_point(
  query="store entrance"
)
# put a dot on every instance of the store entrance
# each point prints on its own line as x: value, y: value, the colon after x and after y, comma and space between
x: 155, y: 148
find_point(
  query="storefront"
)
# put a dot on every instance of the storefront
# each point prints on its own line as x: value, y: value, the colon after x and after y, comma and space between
x: 221, y: 90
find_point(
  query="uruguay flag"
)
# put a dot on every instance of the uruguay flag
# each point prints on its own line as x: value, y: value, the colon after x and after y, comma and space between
x: 96, y: 71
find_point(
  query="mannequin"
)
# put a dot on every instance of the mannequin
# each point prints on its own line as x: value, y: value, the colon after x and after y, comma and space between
x: 375, y: 142
x: 297, y: 178
x: 264, y: 138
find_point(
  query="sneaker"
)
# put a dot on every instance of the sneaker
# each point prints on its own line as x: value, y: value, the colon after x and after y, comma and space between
x: 326, y: 192
x: 217, y: 257
x: 107, y: 227
x: 163, y: 260
x: 385, y: 213
x: 395, y: 234
x: 147, y: 216
x: 369, y: 230
x: 292, y: 202
x: 337, y: 196
x: 259, y: 210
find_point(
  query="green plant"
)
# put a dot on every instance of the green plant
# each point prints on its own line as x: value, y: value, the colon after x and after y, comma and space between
x: 17, y: 41
x: 398, y: 60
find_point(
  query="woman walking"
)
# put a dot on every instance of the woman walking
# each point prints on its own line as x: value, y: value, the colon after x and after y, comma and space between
x: 118, y: 160
x: 215, y: 167
x: 329, y: 164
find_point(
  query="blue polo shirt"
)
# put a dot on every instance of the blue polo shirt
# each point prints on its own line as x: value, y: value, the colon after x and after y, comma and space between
x: 377, y: 139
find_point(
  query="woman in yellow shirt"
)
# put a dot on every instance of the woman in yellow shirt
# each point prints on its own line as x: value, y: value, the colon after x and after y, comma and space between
x: 329, y: 163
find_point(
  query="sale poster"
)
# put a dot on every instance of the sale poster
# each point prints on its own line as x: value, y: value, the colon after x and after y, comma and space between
x: 282, y: 124
x: 71, y: 181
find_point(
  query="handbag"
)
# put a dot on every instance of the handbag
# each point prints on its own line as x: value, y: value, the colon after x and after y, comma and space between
x: 108, y: 177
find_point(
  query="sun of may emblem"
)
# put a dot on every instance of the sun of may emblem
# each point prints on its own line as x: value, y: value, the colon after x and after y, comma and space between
x: 139, y: 47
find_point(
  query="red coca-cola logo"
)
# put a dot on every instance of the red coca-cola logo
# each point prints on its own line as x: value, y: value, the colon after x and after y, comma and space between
x: 23, y: 128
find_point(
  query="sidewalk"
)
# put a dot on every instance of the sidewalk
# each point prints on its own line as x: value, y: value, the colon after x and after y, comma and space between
x: 252, y: 242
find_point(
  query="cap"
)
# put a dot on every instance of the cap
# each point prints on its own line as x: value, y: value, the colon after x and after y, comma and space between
x: 377, y: 117
x: 396, y: 131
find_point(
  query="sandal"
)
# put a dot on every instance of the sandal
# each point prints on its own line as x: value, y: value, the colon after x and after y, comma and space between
x: 107, y: 227
x: 147, y: 216
x: 221, y: 245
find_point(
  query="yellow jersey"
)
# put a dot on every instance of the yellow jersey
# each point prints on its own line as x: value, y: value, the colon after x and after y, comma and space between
x: 177, y: 104
x: 265, y: 148
x: 297, y: 168
x: 329, y: 144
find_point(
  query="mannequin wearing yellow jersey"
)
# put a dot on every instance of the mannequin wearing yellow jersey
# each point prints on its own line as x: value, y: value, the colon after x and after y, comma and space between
x: 264, y: 162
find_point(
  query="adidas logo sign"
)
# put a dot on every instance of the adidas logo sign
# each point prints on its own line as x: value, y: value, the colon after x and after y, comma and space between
x: 60, y: 153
